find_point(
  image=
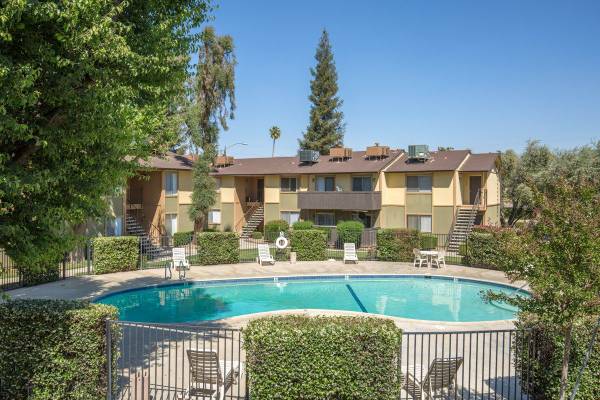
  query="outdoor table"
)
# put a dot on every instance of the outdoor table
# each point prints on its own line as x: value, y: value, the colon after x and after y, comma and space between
x: 429, y: 254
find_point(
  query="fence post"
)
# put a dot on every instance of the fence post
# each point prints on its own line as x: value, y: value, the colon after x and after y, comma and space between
x: 64, y: 266
x: 109, y: 360
x: 141, y: 251
x: 89, y: 256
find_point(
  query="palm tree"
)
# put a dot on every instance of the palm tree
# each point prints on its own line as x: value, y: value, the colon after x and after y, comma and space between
x: 275, y: 134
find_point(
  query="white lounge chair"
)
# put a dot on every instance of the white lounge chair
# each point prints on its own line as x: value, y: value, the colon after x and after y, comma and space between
x: 441, y: 375
x: 264, y: 254
x: 179, y: 261
x: 439, y: 259
x: 350, y: 252
x: 210, y: 378
x: 419, y: 258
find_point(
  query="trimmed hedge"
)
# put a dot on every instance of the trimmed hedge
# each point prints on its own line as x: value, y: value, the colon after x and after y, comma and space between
x: 217, y: 248
x: 303, y: 225
x: 182, y: 238
x: 257, y: 235
x: 309, y: 245
x: 57, y: 347
x: 397, y: 244
x: 41, y: 271
x: 115, y: 254
x: 298, y: 357
x: 544, y: 380
x: 272, y: 228
x: 428, y: 241
x: 350, y: 231
x: 486, y: 248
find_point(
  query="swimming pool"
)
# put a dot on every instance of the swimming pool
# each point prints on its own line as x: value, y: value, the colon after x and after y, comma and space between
x: 407, y: 296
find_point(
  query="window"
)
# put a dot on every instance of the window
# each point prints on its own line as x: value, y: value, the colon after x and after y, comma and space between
x: 365, y: 218
x: 325, y: 184
x: 421, y: 223
x: 325, y: 219
x: 288, y: 184
x: 171, y: 183
x: 171, y: 224
x: 217, y: 183
x: 362, y: 184
x: 214, y: 217
x: 420, y: 183
x: 114, y: 227
x: 290, y: 216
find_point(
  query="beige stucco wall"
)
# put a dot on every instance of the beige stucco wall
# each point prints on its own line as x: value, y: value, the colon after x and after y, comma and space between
x: 171, y: 204
x: 288, y: 201
x: 393, y: 189
x: 303, y: 183
x: 186, y: 187
x: 272, y: 185
x: 184, y: 222
x: 492, y: 215
x: 227, y: 217
x: 227, y: 189
x: 418, y: 203
x: 442, y: 219
x: 442, y: 189
x: 271, y: 212
x: 493, y: 189
x: 392, y: 217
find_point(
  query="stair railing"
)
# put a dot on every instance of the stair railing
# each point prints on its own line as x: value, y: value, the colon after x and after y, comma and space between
x: 472, y: 216
x: 249, y: 211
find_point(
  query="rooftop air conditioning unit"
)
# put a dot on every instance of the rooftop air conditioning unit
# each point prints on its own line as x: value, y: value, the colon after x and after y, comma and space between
x: 308, y: 156
x: 340, y: 152
x: 378, y: 151
x: 418, y: 152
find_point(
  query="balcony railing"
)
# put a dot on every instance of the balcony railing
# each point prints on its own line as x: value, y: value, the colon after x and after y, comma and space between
x: 363, y: 201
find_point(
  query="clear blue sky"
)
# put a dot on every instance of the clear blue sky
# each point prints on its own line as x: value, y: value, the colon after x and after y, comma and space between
x: 464, y: 74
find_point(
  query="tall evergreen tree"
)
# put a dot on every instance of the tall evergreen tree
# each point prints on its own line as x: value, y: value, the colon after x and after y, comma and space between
x: 211, y: 104
x: 326, y: 127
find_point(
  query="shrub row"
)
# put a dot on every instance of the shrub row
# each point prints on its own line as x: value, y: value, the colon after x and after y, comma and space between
x: 486, y: 247
x: 397, y: 244
x: 545, y: 364
x: 309, y: 245
x: 116, y: 254
x: 303, y: 225
x: 182, y: 238
x: 297, y: 357
x: 272, y: 228
x: 57, y: 348
x: 44, y: 270
x: 350, y: 231
x: 217, y: 248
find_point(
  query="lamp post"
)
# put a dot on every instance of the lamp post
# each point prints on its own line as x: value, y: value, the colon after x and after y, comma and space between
x: 231, y: 145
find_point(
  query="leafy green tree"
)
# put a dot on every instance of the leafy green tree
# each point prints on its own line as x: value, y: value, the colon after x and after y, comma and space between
x: 211, y: 103
x: 86, y: 90
x: 326, y: 126
x: 275, y: 134
x: 558, y: 254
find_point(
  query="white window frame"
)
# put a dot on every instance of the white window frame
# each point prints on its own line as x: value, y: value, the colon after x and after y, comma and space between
x: 421, y: 179
x: 170, y: 191
x: 363, y: 178
x: 324, y: 213
x: 420, y: 224
x: 287, y: 216
x: 169, y: 218
x: 214, y: 217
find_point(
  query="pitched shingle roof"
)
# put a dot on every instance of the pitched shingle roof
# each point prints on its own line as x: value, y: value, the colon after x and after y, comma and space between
x: 291, y: 165
x: 438, y: 161
x: 480, y: 162
x: 169, y: 161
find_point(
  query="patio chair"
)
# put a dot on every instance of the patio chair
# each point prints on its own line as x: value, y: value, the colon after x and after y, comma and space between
x: 210, y: 378
x: 439, y: 259
x: 419, y: 258
x: 264, y: 254
x: 441, y: 375
x: 350, y: 253
x: 180, y: 262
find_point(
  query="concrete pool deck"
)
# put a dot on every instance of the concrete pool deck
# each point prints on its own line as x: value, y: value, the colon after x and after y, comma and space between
x: 92, y: 286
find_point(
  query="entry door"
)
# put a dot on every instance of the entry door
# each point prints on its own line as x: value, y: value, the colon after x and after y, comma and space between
x: 474, y: 187
x: 260, y: 190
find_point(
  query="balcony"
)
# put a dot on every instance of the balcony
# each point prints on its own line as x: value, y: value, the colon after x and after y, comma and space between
x: 362, y: 201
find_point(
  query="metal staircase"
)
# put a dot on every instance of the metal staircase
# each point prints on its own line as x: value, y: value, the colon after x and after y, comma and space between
x: 255, y: 216
x: 149, y: 246
x: 463, y: 225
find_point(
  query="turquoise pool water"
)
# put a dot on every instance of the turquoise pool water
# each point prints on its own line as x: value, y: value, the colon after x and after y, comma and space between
x: 416, y: 297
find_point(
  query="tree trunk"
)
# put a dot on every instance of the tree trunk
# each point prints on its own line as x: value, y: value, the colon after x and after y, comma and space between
x: 273, y: 152
x: 565, y: 362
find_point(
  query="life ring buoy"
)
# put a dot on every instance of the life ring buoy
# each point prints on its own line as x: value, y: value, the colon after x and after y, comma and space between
x: 281, y: 242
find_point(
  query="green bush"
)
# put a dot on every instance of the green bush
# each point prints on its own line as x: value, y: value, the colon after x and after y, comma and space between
x: 309, y: 245
x: 298, y: 357
x: 397, y: 244
x: 44, y: 270
x: 272, y: 229
x: 57, y: 347
x: 218, y: 248
x: 428, y: 241
x: 115, y: 254
x: 257, y: 235
x: 462, y: 249
x: 545, y: 364
x: 182, y: 238
x: 303, y: 225
x: 350, y: 231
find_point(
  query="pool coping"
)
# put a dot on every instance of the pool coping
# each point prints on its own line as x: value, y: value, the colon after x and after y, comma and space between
x: 292, y: 277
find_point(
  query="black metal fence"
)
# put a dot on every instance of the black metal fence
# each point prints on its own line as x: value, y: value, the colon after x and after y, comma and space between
x: 166, y: 361
x: 75, y: 263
